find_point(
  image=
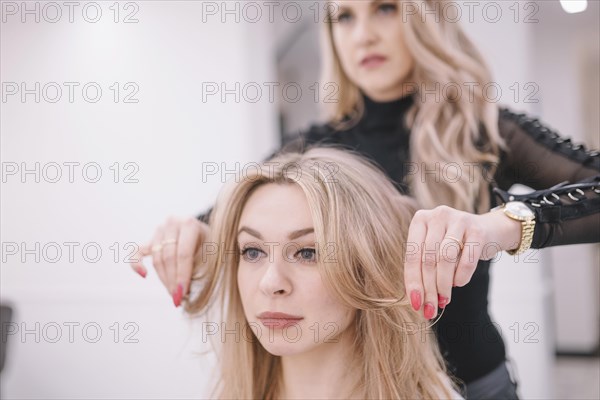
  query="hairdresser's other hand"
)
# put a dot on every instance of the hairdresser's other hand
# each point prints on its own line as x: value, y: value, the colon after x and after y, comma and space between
x: 173, y: 248
x: 443, y: 248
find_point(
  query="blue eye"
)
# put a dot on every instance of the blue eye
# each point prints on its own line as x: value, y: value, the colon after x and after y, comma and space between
x: 251, y: 254
x: 307, y: 255
x: 343, y: 17
x: 387, y: 8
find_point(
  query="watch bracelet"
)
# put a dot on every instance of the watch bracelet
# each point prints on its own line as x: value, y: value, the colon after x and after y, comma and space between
x: 528, y: 228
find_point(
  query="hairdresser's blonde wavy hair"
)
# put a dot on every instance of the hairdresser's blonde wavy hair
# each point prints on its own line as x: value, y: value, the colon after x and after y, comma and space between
x: 355, y: 206
x: 456, y: 131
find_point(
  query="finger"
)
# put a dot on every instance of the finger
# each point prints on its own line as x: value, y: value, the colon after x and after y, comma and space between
x: 136, y: 263
x: 191, y: 237
x: 450, y: 252
x: 169, y: 254
x: 431, y: 249
x: 468, y: 259
x: 157, y: 261
x: 413, y: 279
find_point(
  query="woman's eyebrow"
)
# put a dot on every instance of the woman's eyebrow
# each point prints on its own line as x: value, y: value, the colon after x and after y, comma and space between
x: 340, y: 7
x: 293, y: 235
x: 376, y: 3
x: 300, y: 233
x: 250, y: 231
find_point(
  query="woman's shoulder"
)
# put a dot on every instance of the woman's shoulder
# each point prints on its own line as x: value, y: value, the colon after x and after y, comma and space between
x: 518, y: 129
x: 315, y: 134
x: 511, y: 122
x: 319, y: 132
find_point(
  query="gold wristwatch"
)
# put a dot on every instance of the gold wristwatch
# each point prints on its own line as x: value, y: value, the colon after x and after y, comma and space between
x: 520, y: 212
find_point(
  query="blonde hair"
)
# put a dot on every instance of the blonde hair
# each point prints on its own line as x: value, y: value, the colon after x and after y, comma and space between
x: 457, y: 131
x: 354, y: 206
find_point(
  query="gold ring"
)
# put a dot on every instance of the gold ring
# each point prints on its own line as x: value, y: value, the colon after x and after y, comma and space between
x: 156, y: 247
x: 168, y: 241
x: 460, y: 244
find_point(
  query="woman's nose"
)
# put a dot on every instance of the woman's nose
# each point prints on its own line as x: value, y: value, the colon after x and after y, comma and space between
x: 364, y: 31
x: 275, y: 282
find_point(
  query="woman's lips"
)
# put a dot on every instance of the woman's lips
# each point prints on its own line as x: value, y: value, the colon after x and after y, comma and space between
x: 277, y: 320
x: 373, y: 61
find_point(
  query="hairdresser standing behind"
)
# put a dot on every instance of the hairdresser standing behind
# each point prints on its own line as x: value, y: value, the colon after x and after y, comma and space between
x: 380, y: 59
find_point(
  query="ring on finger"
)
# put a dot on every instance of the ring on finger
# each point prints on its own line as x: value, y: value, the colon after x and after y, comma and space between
x: 156, y: 247
x: 168, y: 241
x: 461, y: 245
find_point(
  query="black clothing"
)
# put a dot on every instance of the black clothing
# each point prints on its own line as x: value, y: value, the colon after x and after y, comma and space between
x: 536, y: 157
x: 498, y: 384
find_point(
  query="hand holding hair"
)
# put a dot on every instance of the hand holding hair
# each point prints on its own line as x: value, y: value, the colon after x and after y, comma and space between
x: 173, y: 248
x: 443, y: 248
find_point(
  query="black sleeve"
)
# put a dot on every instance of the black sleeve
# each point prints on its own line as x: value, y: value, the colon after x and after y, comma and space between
x: 565, y: 177
x: 298, y: 143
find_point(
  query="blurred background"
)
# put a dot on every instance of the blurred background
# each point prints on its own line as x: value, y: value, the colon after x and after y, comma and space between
x: 116, y: 115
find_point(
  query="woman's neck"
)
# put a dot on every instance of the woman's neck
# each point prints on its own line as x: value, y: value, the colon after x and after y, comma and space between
x: 392, y: 94
x: 322, y: 373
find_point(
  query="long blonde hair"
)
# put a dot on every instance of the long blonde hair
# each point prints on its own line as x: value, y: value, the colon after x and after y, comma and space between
x: 354, y: 206
x: 457, y: 136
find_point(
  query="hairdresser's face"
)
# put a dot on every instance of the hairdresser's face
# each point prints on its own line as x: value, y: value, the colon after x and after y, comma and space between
x: 370, y: 43
x: 278, y: 274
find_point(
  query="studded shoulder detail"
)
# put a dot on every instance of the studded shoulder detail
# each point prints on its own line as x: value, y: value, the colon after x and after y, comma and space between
x: 552, y: 140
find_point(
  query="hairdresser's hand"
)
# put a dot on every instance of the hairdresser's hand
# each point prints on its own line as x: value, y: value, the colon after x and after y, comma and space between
x: 443, y: 248
x: 173, y: 248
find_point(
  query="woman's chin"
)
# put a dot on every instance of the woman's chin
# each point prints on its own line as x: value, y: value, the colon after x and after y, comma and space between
x: 282, y: 348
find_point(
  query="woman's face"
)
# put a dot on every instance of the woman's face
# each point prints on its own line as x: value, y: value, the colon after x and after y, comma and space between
x: 370, y: 43
x: 285, y: 301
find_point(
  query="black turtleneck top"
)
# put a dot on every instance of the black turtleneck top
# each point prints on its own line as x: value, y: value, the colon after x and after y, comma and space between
x: 536, y: 157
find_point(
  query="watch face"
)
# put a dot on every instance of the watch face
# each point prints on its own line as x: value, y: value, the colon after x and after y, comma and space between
x: 519, y: 209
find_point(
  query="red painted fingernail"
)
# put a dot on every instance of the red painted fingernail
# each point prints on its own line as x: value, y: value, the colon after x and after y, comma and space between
x: 177, y: 295
x: 429, y: 310
x: 442, y: 301
x: 415, y: 299
x: 140, y: 271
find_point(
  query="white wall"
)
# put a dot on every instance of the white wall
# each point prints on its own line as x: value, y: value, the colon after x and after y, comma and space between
x: 568, y: 47
x: 168, y: 135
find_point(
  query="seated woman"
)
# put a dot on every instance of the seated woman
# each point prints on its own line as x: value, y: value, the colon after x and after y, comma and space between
x: 310, y: 261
